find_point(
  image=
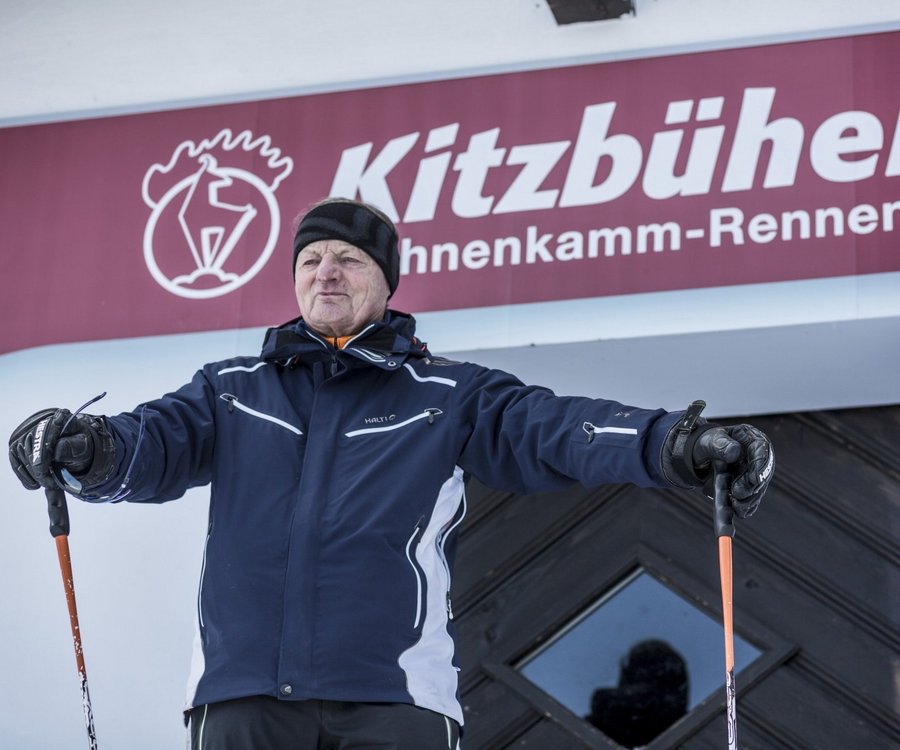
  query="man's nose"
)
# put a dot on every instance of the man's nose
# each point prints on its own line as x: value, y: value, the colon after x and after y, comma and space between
x: 328, y: 268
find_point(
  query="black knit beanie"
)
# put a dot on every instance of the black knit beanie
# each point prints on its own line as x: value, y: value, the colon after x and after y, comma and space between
x: 355, y: 223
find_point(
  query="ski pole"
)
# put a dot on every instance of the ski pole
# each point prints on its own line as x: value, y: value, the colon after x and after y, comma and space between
x: 59, y: 529
x: 724, y: 525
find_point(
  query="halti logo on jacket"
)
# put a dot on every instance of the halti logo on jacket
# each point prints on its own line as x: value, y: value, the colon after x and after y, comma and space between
x: 380, y: 420
x: 214, y: 223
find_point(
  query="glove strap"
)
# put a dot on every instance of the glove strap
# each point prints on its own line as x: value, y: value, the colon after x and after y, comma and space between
x: 681, y: 456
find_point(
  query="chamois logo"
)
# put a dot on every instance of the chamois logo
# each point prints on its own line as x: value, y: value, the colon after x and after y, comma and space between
x: 214, y: 223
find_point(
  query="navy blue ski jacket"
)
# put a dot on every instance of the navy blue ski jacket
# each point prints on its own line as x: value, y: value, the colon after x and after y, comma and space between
x: 337, y: 485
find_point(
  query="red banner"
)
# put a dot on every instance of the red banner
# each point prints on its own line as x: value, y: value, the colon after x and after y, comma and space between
x: 699, y: 170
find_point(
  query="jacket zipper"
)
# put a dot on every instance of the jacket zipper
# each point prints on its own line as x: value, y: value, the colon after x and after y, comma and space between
x: 441, y: 541
x: 428, y: 414
x: 593, y: 430
x: 411, y: 546
x: 333, y: 368
x: 443, y: 558
x: 234, y: 403
x: 202, y: 576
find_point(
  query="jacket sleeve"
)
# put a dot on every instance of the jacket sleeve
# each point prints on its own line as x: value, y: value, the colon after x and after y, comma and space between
x: 526, y: 439
x: 163, y: 448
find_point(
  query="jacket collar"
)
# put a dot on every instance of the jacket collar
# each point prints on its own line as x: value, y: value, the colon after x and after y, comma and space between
x: 385, y: 344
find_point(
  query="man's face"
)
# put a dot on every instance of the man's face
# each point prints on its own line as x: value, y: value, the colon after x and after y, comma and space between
x: 340, y: 289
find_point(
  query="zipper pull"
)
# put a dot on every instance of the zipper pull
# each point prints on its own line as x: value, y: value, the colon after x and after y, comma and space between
x: 229, y: 399
x: 431, y: 413
x: 589, y: 429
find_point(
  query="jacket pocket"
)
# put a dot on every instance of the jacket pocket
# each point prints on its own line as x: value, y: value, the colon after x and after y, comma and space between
x: 593, y: 430
x: 411, y: 546
x: 234, y: 403
x: 442, y: 556
x: 429, y: 414
x: 440, y: 543
x: 202, y: 576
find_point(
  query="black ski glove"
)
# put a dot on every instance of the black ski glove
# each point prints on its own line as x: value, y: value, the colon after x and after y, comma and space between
x: 52, y: 440
x: 693, y: 444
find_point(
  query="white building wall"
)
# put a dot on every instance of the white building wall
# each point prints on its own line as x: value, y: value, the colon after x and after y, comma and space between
x: 67, y: 60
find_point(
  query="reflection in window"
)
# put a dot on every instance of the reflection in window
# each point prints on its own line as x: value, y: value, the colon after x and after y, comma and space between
x: 650, y: 696
x: 636, y: 661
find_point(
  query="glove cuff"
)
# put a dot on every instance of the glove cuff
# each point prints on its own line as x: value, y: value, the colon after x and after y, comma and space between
x: 103, y: 460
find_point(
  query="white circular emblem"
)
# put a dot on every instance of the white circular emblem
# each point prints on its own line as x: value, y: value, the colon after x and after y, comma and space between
x: 213, y: 226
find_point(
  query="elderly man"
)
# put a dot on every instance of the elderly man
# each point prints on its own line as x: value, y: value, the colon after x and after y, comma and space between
x: 337, y: 460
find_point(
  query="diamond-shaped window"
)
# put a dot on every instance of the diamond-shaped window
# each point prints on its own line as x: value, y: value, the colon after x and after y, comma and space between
x: 636, y: 661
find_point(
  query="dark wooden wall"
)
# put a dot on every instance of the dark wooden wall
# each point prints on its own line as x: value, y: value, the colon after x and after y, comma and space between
x: 815, y: 577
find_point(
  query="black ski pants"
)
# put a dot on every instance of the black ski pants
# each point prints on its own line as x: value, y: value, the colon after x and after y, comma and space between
x: 266, y: 723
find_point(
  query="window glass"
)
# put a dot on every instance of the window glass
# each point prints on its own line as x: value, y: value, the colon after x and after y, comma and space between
x: 635, y: 662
